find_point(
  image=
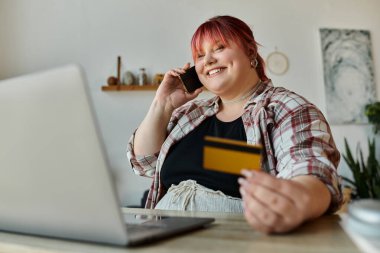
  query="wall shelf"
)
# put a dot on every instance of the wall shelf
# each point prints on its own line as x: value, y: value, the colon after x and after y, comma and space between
x: 129, y: 87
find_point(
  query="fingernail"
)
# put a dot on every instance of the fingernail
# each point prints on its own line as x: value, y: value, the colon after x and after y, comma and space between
x: 247, y: 173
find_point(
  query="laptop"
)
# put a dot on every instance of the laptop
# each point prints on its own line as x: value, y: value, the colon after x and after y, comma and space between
x: 54, y: 177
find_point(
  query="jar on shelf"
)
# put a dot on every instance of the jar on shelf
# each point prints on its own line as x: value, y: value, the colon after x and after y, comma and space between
x: 142, y: 77
x: 128, y: 78
x: 158, y: 78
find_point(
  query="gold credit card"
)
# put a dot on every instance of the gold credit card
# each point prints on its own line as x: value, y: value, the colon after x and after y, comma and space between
x: 230, y: 156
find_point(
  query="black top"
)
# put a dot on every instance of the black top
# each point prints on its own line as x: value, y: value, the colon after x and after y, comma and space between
x: 185, y: 158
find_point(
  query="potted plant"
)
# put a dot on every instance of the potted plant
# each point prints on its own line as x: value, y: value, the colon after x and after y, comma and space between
x: 366, y: 172
x: 372, y: 111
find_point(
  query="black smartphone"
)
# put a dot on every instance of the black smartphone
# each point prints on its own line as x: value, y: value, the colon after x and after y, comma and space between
x: 190, y: 80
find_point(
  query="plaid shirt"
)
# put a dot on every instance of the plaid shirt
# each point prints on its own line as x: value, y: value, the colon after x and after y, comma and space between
x: 296, y: 137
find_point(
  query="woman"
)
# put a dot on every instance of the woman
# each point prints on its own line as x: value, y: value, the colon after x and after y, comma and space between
x: 298, y: 179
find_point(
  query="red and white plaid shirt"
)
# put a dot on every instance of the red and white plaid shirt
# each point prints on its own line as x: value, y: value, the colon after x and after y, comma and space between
x: 296, y: 137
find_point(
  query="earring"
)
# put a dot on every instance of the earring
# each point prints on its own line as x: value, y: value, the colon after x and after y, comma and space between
x: 254, y: 63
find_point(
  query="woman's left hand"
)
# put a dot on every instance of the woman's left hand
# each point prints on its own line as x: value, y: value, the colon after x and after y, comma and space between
x: 273, y: 205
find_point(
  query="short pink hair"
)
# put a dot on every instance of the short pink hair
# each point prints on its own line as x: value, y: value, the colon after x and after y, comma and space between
x: 227, y: 28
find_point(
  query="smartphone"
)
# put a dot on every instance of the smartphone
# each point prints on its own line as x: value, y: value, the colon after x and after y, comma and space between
x: 190, y: 80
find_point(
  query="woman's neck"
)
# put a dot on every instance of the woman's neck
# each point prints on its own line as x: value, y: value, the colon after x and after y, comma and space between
x: 233, y: 107
x: 242, y: 98
x: 229, y: 113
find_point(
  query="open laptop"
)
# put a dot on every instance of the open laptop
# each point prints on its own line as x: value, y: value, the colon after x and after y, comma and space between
x: 54, y: 176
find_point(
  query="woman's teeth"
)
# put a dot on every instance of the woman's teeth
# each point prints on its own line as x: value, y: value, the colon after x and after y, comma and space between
x: 214, y: 71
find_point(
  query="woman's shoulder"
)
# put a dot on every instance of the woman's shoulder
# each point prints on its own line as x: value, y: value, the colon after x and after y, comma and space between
x: 281, y: 104
x: 282, y: 96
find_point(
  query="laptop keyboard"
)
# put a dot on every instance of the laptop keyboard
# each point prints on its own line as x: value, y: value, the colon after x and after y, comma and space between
x: 144, y: 227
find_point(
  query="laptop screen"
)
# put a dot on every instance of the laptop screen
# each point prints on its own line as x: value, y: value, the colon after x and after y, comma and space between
x: 54, y: 176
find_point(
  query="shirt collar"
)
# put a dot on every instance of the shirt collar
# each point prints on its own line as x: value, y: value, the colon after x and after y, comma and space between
x: 263, y: 86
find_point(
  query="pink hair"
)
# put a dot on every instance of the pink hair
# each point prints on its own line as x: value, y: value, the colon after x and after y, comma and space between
x: 227, y: 28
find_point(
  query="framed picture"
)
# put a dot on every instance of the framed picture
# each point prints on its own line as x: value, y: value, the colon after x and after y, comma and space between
x: 348, y: 74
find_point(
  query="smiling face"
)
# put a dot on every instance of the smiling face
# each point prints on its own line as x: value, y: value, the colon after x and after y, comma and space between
x: 222, y: 49
x: 223, y: 68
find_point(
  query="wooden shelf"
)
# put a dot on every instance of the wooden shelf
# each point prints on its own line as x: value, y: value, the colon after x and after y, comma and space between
x: 129, y: 87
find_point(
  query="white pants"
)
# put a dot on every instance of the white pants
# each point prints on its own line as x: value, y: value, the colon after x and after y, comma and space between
x: 190, y: 196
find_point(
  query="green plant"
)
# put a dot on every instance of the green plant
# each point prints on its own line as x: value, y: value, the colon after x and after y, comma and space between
x: 366, y: 183
x: 372, y: 111
x: 366, y: 174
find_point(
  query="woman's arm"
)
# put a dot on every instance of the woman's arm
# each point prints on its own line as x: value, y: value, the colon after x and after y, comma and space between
x: 151, y: 133
x: 306, y: 184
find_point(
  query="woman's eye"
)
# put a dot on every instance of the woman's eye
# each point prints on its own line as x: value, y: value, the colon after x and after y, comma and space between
x: 219, y: 48
x: 199, y: 56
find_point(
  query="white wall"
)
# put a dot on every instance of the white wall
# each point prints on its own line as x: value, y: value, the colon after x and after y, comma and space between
x: 156, y: 35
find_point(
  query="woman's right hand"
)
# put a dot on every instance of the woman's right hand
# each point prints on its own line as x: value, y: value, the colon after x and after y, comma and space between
x: 171, y: 92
